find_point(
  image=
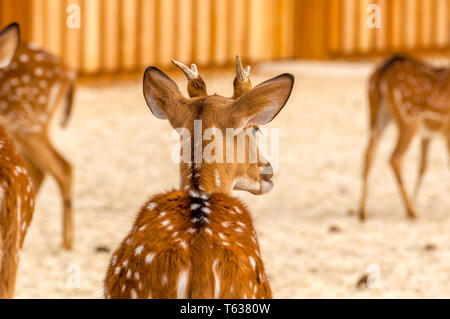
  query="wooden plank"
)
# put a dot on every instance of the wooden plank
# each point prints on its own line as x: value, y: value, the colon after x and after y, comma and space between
x: 426, y: 26
x: 38, y: 22
x: 442, y: 24
x: 410, y: 25
x: 365, y: 35
x: 72, y: 42
x: 148, y: 34
x: 166, y: 32
x: 349, y: 27
x: 219, y: 32
x: 202, y: 34
x: 238, y: 29
x: 129, y: 43
x: 335, y: 18
x: 91, y: 36
x: 184, y: 47
x: 54, y: 28
x: 110, y: 35
x: 397, y: 20
x: 381, y: 34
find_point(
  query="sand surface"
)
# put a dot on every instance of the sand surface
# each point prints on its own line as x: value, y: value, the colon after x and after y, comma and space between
x: 121, y: 155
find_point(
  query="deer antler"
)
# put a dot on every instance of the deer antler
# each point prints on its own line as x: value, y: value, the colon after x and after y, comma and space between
x: 241, y: 82
x: 241, y: 73
x: 196, y: 86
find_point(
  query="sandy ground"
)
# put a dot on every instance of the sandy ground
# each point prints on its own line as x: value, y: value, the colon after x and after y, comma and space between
x: 121, y: 154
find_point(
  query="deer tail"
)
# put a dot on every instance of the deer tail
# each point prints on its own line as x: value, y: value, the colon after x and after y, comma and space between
x: 68, y: 104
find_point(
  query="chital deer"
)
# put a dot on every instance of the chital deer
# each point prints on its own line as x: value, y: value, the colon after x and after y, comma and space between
x: 16, y: 192
x: 417, y: 97
x: 199, y: 241
x: 31, y: 88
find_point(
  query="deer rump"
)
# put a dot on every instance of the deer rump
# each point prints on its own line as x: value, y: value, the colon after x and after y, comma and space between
x: 173, y: 252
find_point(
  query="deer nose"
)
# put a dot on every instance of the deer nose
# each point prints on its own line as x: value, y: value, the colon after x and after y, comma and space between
x: 266, y: 171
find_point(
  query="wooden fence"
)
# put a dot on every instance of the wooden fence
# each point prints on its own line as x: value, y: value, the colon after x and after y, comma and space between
x: 127, y: 35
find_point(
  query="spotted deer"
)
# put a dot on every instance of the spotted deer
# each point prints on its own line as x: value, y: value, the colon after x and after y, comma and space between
x: 31, y: 88
x: 16, y: 191
x: 199, y: 242
x: 417, y: 96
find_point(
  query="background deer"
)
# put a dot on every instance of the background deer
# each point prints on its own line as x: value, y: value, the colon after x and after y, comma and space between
x: 199, y: 241
x: 31, y: 88
x: 16, y: 192
x: 417, y: 97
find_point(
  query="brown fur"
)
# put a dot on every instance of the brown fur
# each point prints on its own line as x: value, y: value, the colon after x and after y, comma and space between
x: 228, y: 237
x: 16, y: 212
x: 417, y: 96
x: 31, y: 88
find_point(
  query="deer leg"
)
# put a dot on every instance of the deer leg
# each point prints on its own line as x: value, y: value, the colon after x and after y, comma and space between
x: 448, y: 150
x: 404, y: 140
x: 37, y: 175
x: 368, y: 159
x: 8, y: 270
x: 61, y: 170
x: 423, y: 164
x: 42, y: 155
x: 379, y: 119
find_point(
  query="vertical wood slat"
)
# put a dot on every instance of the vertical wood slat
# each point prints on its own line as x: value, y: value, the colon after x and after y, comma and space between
x: 127, y: 35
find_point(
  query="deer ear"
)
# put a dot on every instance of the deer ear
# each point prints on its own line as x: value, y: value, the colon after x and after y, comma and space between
x: 163, y: 96
x: 261, y: 104
x: 9, y: 41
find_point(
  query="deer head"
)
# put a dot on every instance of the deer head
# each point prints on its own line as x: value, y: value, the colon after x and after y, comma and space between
x: 229, y: 120
x: 9, y: 41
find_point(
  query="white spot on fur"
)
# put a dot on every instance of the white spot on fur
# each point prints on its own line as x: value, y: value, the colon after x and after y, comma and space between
x: 241, y: 224
x: 215, y: 270
x: 217, y: 178
x: 252, y: 262
x: 38, y: 71
x: 182, y: 284
x: 208, y: 231
x: 151, y: 206
x: 149, y: 258
x: 24, y: 58
x: 138, y: 250
x: 133, y: 294
x: 165, y: 222
x: 164, y: 279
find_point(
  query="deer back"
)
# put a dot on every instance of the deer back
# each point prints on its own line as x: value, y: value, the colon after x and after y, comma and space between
x: 29, y: 86
x: 189, y: 246
x: 416, y: 91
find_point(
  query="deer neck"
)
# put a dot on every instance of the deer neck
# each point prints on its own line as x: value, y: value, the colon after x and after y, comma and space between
x: 205, y: 178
